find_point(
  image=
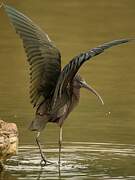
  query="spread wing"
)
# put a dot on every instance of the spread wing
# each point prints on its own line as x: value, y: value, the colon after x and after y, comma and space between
x: 43, y: 57
x: 70, y: 70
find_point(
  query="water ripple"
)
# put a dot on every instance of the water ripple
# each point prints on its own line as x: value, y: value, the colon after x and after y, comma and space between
x: 79, y: 160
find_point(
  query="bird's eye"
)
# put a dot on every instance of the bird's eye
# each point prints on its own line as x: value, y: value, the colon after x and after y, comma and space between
x: 40, y: 114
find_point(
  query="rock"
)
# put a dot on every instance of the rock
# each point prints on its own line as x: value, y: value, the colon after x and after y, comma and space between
x: 8, y: 141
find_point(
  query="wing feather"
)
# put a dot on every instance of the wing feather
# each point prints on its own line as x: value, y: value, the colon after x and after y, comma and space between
x: 70, y: 70
x: 42, y: 55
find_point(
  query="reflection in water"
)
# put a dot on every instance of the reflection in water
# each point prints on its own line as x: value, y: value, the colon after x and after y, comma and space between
x: 80, y: 160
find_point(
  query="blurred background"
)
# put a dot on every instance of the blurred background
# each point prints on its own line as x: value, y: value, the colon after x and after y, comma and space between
x: 75, y: 26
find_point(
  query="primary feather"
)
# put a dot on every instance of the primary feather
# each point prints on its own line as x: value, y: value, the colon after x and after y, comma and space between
x: 42, y: 55
x: 70, y: 70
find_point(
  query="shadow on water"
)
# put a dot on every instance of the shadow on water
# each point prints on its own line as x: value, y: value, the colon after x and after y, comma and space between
x: 79, y: 160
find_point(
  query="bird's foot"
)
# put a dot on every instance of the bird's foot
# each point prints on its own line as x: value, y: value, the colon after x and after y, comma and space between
x: 45, y: 162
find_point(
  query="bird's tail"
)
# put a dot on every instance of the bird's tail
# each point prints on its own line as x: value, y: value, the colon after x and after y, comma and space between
x: 38, y: 124
x: 41, y: 118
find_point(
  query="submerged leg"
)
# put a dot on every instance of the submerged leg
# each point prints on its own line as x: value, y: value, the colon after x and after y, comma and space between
x: 60, y: 143
x: 43, y: 160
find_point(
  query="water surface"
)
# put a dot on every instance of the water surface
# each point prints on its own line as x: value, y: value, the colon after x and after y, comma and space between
x: 78, y: 161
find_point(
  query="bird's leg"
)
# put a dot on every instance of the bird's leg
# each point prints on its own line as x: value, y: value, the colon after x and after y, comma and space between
x: 43, y: 160
x: 60, y: 143
x: 41, y: 152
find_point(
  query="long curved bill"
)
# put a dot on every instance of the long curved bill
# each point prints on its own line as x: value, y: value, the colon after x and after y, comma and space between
x: 88, y: 87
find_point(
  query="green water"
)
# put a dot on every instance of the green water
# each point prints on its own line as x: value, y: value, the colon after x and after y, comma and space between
x: 99, y: 141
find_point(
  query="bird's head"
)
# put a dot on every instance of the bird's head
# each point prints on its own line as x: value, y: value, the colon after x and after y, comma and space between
x: 79, y: 82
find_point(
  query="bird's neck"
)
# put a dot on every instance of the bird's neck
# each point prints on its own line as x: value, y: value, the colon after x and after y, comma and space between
x: 76, y: 93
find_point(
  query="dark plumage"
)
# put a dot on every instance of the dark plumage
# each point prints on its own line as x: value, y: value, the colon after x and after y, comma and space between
x: 54, y: 92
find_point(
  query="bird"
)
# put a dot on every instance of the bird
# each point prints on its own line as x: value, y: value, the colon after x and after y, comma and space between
x: 54, y: 91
